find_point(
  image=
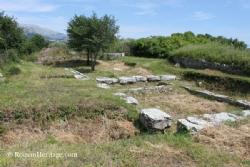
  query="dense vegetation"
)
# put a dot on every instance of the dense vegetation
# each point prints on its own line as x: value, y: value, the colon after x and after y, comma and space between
x: 214, y: 52
x: 13, y: 43
x: 161, y: 47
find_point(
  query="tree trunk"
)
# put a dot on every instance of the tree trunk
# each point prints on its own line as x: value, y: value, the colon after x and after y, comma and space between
x: 88, y: 58
x: 93, y: 61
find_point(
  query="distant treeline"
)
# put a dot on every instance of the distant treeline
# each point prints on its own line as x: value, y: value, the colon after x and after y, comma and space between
x: 13, y: 43
x: 161, y: 46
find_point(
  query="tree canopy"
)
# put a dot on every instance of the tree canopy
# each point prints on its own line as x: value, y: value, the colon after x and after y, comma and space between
x: 11, y: 36
x: 92, y: 34
x: 161, y: 46
x: 13, y: 42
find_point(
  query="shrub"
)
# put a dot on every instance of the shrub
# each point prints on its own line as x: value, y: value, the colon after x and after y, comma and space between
x: 9, y: 56
x: 11, y: 35
x: 161, y: 46
x: 131, y: 64
x: 34, y: 44
x: 13, y: 70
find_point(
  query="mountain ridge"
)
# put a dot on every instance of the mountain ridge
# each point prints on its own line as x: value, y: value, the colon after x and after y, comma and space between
x: 49, y: 34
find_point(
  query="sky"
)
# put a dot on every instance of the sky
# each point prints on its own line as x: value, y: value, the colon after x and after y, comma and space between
x: 141, y: 18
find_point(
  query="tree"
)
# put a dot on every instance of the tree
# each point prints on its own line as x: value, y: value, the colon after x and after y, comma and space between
x: 39, y: 42
x: 11, y: 36
x: 92, y: 34
x: 34, y: 44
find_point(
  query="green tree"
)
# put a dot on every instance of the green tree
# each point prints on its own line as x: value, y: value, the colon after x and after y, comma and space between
x: 161, y: 46
x: 39, y: 42
x: 11, y: 36
x: 34, y: 44
x: 92, y: 34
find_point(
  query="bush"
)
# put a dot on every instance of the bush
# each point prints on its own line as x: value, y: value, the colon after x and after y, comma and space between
x: 34, y: 44
x: 13, y: 70
x: 13, y: 43
x: 11, y: 35
x: 8, y: 56
x: 160, y: 46
x: 131, y: 64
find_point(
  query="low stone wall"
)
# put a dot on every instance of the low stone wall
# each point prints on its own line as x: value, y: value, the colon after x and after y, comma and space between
x: 196, y: 123
x: 134, y: 79
x: 203, y: 64
x: 222, y: 98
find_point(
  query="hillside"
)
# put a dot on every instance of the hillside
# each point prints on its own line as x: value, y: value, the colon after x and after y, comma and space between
x: 51, y: 35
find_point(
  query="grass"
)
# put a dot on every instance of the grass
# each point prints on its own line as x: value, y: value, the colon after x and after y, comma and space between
x: 214, y: 52
x: 220, y: 81
x: 128, y: 152
x: 237, y: 124
x: 157, y: 66
x: 30, y: 96
x: 211, y: 79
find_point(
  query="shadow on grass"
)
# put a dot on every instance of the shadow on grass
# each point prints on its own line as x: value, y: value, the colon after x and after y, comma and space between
x: 72, y: 63
x: 84, y: 70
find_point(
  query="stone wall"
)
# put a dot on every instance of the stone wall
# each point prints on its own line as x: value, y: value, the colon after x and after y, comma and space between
x: 203, y: 64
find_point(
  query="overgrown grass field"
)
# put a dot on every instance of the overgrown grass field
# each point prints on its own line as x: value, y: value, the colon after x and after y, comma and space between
x: 42, y: 95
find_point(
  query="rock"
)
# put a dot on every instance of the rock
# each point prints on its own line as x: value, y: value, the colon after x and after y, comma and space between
x: 192, y: 124
x: 211, y: 95
x: 219, y: 118
x: 127, y: 80
x: 155, y: 119
x: 77, y: 74
x: 117, y: 69
x: 246, y: 113
x: 131, y: 100
x: 177, y: 65
x: 103, y: 86
x: 81, y: 77
x: 153, y: 78
x: 168, y: 77
x: 222, y: 98
x: 120, y: 94
x: 107, y: 80
x: 158, y: 89
x: 204, y: 64
x: 199, y: 84
x: 140, y: 78
x: 243, y: 103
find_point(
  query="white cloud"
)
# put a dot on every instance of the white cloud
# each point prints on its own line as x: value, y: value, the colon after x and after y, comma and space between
x: 26, y: 6
x: 202, y: 16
